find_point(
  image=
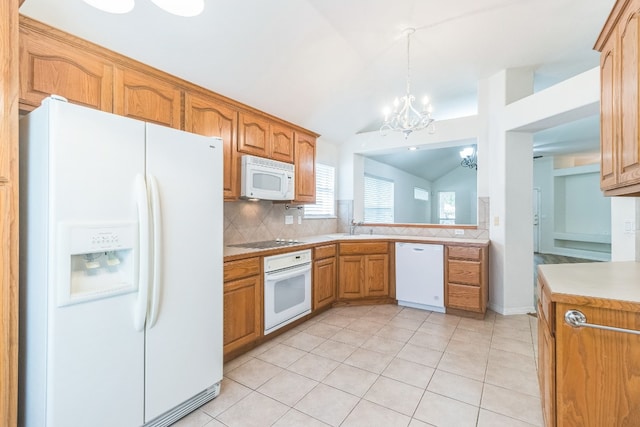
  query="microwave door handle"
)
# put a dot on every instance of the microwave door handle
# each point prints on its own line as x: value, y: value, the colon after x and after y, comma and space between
x: 285, y: 188
x: 288, y: 273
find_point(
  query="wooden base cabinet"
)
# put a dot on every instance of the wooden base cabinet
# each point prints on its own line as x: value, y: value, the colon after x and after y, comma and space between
x: 325, y: 270
x: 588, y: 377
x: 363, y: 270
x: 466, y: 278
x: 243, y: 290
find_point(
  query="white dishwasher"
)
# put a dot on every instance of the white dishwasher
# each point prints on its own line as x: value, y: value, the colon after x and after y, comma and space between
x: 420, y: 276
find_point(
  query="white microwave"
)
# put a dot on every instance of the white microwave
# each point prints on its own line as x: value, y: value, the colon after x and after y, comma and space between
x: 266, y: 179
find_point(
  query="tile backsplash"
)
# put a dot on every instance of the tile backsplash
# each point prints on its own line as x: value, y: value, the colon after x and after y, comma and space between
x: 246, y: 221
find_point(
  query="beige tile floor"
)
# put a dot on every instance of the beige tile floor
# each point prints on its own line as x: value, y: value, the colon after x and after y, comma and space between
x: 384, y: 366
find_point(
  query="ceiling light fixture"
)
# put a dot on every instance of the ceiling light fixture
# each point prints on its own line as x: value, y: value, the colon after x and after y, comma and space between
x: 469, y: 158
x: 186, y: 8
x: 405, y: 117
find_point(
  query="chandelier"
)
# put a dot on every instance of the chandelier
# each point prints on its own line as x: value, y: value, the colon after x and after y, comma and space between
x: 185, y: 8
x: 469, y: 158
x: 405, y: 117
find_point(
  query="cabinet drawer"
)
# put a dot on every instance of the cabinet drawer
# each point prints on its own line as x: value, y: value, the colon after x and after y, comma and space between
x: 364, y: 248
x: 465, y: 252
x: 465, y: 272
x: 325, y: 251
x: 241, y: 268
x: 463, y: 297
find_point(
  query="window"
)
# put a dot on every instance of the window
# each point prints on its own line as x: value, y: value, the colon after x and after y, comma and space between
x: 447, y: 207
x: 325, y: 193
x: 420, y: 194
x: 378, y: 200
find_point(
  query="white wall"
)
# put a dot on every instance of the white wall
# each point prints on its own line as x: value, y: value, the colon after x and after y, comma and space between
x: 406, y: 208
x: 625, y: 221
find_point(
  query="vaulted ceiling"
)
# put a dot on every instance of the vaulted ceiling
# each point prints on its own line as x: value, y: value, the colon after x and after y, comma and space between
x: 331, y: 65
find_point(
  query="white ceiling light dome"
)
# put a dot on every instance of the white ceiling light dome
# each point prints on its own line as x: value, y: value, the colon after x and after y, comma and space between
x: 112, y: 6
x: 185, y: 8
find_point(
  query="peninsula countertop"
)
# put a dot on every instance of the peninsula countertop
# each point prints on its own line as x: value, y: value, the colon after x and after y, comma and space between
x: 604, y: 284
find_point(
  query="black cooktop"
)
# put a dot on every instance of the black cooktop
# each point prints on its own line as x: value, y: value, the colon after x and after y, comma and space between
x: 267, y: 244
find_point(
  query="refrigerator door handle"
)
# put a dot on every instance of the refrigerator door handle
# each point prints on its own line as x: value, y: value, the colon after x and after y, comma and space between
x: 142, y: 203
x: 157, y: 249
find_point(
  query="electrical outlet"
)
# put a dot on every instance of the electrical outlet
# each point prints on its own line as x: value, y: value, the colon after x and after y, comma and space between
x: 458, y: 232
x: 496, y: 220
x: 288, y: 219
x: 299, y: 220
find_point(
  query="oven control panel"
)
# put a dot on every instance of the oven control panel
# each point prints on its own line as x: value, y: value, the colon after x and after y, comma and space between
x: 290, y: 259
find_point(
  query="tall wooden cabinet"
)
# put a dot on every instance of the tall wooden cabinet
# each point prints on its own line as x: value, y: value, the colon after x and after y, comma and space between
x: 206, y: 116
x: 9, y: 213
x: 619, y: 44
x: 305, y: 161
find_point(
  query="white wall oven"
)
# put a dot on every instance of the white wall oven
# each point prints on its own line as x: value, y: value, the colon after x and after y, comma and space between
x: 287, y: 288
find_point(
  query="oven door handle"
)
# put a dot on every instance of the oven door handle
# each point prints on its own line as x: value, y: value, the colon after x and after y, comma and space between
x: 288, y: 273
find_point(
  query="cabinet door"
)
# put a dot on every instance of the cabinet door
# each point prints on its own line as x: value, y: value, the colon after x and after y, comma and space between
x: 597, y: 371
x: 305, y: 161
x: 281, y: 143
x: 48, y: 66
x: 352, y: 274
x: 206, y: 116
x: 377, y: 275
x: 324, y: 282
x: 242, y: 312
x: 608, y: 113
x: 253, y: 135
x: 629, y: 148
x: 144, y: 97
x: 546, y: 370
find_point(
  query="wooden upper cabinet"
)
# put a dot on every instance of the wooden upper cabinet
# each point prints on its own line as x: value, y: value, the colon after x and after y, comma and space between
x: 608, y: 130
x: 629, y: 148
x: 144, y: 97
x: 305, y: 161
x: 49, y: 66
x: 619, y: 45
x: 205, y: 116
x: 281, y: 143
x: 253, y: 135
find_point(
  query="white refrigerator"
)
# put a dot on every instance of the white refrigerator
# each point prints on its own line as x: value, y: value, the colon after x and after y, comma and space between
x: 121, y: 269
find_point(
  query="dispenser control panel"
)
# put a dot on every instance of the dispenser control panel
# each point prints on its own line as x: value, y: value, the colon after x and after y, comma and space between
x: 100, y: 238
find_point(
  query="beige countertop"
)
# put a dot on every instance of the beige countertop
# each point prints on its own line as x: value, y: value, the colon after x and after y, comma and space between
x: 597, y: 283
x: 311, y: 241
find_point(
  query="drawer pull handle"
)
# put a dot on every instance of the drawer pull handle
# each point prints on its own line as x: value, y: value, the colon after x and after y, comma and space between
x: 577, y: 319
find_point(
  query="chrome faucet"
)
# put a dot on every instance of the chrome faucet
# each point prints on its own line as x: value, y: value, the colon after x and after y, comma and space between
x: 352, y: 227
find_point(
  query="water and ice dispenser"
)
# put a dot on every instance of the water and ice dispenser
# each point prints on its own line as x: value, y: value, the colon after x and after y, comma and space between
x: 96, y: 260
